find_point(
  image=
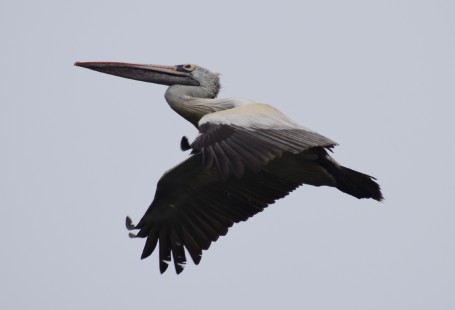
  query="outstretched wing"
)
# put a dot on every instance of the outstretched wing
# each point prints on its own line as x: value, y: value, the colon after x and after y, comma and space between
x: 250, y: 136
x: 193, y: 207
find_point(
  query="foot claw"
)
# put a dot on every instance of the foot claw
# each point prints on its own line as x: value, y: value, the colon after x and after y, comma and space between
x: 185, y: 144
x: 129, y: 224
x: 131, y: 235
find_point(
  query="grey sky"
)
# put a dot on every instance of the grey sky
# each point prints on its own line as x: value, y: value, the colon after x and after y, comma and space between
x: 81, y: 150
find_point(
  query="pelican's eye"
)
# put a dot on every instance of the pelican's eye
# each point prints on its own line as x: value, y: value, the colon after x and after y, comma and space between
x: 186, y: 68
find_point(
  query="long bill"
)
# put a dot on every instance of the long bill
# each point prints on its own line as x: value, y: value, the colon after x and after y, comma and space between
x: 165, y: 75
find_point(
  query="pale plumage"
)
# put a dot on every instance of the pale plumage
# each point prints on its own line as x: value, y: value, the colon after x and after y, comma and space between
x: 249, y: 137
x: 246, y: 156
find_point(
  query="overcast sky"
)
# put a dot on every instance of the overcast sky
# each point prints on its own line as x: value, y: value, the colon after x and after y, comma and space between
x: 81, y: 150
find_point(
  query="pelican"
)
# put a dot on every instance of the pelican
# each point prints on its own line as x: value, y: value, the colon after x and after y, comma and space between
x: 246, y: 156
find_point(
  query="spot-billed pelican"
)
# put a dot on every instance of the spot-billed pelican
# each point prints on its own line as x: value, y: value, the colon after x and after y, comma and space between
x: 246, y: 156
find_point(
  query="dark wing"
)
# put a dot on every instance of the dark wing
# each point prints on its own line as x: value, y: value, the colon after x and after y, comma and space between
x: 250, y: 136
x: 193, y: 207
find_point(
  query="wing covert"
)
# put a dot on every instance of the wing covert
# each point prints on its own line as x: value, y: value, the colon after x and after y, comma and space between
x: 250, y: 136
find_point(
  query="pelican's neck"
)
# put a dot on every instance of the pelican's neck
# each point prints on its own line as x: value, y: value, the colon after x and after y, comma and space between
x: 193, y: 102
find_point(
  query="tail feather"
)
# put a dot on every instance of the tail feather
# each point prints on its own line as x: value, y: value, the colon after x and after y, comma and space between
x: 349, y: 181
x: 357, y: 184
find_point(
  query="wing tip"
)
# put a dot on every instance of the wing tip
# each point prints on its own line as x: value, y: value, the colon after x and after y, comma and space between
x: 163, y: 266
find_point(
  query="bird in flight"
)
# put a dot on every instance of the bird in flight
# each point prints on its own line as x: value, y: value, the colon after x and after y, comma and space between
x: 245, y: 157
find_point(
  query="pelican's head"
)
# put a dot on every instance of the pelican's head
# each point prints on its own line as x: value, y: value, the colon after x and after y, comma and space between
x: 185, y: 75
